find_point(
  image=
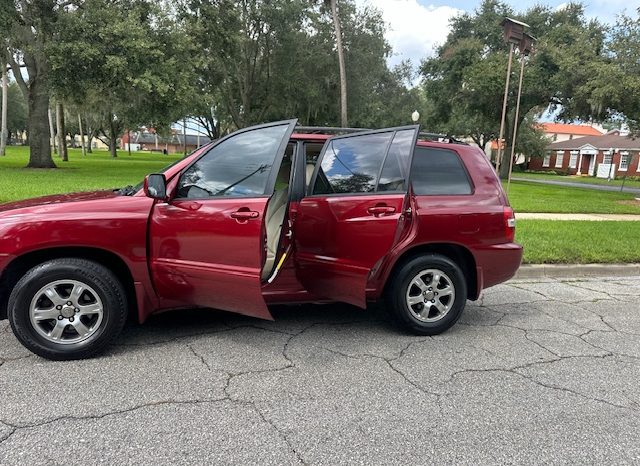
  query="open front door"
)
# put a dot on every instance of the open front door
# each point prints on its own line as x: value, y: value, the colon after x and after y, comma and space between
x: 207, y: 242
x: 354, y: 211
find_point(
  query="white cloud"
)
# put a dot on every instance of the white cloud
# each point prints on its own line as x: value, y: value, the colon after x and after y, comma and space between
x: 414, y: 30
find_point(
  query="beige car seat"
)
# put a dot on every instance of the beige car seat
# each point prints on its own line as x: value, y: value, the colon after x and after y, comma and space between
x: 274, y: 218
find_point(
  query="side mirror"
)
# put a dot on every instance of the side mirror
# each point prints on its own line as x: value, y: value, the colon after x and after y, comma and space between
x: 155, y: 186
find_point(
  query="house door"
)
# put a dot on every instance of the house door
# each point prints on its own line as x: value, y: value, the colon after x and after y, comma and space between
x: 207, y: 243
x: 355, y: 211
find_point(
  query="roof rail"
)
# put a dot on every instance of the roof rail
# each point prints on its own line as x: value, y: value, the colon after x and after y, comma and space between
x: 328, y: 130
x: 436, y: 137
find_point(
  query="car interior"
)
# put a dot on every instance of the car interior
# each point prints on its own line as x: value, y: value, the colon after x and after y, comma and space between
x: 276, y: 212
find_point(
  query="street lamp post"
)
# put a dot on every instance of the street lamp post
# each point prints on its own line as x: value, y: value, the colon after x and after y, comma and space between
x: 526, y: 47
x: 513, y: 32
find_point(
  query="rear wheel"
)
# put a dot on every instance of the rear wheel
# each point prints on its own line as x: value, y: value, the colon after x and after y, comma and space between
x: 427, y: 294
x: 67, y: 309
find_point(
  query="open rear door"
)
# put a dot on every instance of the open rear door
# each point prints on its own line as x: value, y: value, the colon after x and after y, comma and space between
x: 354, y: 211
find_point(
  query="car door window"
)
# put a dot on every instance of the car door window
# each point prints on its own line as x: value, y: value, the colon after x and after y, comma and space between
x: 396, y: 166
x: 352, y: 165
x: 237, y: 166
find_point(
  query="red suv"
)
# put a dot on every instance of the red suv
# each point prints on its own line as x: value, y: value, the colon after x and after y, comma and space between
x: 262, y: 216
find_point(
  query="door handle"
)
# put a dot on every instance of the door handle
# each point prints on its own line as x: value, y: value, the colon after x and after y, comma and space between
x: 380, y: 210
x: 245, y: 214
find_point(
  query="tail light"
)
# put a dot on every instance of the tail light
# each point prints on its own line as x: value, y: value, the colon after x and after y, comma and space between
x: 509, y: 224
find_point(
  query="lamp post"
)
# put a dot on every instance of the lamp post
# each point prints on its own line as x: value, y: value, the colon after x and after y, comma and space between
x: 513, y: 32
x: 611, y: 152
x: 415, y: 116
x: 526, y: 47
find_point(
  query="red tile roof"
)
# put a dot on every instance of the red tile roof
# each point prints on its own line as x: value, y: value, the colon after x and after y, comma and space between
x: 563, y: 128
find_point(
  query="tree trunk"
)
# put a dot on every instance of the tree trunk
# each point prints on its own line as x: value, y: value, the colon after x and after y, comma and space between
x: 5, y: 101
x: 84, y: 152
x: 113, y: 134
x: 39, y: 148
x: 343, y: 73
x: 129, y: 141
x: 62, y: 140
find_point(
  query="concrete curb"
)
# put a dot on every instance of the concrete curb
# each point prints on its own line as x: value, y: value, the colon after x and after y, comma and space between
x: 577, y: 270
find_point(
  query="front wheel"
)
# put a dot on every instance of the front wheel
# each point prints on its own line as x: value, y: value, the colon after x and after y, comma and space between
x: 427, y: 294
x: 67, y: 309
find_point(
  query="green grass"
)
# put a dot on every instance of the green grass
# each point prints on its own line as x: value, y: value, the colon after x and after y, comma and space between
x: 531, y: 197
x: 579, y: 242
x: 94, y: 171
x: 582, y: 179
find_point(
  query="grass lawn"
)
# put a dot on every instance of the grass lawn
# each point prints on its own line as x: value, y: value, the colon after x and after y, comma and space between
x: 94, y: 171
x: 579, y: 242
x: 532, y: 197
x: 581, y: 179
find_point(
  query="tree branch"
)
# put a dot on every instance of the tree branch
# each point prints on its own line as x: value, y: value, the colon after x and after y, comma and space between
x: 17, y: 75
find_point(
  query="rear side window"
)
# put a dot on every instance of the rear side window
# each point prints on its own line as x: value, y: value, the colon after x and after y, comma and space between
x: 351, y: 165
x: 438, y: 172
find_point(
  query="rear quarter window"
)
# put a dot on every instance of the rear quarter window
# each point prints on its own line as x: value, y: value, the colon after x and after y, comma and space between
x: 439, y: 172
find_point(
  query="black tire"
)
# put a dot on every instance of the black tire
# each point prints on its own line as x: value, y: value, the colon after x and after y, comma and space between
x: 396, y: 298
x: 110, y: 297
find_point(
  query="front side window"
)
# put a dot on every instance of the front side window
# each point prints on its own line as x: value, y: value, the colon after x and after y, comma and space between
x: 237, y: 166
x: 439, y: 172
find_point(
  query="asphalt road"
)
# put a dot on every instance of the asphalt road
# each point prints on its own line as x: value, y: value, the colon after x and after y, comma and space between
x: 538, y: 371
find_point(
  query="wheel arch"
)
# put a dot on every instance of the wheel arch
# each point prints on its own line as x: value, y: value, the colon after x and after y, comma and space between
x: 459, y: 254
x: 21, y: 264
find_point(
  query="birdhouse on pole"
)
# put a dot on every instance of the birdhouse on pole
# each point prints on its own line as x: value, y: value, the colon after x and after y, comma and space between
x: 526, y: 44
x: 513, y: 30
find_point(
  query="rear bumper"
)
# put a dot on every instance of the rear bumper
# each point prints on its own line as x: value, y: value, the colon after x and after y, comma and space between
x: 497, y: 263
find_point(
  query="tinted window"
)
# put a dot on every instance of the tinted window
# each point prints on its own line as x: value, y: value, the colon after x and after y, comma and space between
x: 438, y: 171
x: 238, y: 166
x: 396, y: 165
x: 351, y: 165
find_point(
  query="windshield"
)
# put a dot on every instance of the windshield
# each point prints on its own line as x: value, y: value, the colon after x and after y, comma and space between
x: 130, y: 190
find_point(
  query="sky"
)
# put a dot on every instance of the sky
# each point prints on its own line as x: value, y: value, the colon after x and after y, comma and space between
x: 416, y: 27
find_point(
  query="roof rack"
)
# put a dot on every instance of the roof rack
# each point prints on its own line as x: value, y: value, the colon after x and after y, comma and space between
x: 328, y: 130
x: 436, y: 137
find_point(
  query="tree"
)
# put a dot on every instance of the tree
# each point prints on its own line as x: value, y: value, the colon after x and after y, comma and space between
x: 30, y: 27
x: 464, y: 82
x: 332, y: 5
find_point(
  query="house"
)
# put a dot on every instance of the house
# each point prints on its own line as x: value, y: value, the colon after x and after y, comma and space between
x: 558, y: 132
x: 153, y: 142
x: 555, y: 132
x: 605, y: 156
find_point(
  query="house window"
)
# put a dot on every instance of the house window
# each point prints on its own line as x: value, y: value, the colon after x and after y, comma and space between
x: 573, y: 160
x: 559, y: 160
x: 547, y: 158
x: 624, y: 162
x: 607, y: 158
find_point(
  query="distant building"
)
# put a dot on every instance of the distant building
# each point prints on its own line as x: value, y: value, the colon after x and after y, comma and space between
x: 153, y: 142
x: 557, y: 132
x: 606, y: 155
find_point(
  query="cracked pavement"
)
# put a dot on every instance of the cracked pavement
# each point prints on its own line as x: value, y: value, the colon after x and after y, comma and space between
x: 536, y: 371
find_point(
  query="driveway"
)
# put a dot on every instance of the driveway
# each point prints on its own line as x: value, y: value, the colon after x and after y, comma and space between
x: 538, y: 371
